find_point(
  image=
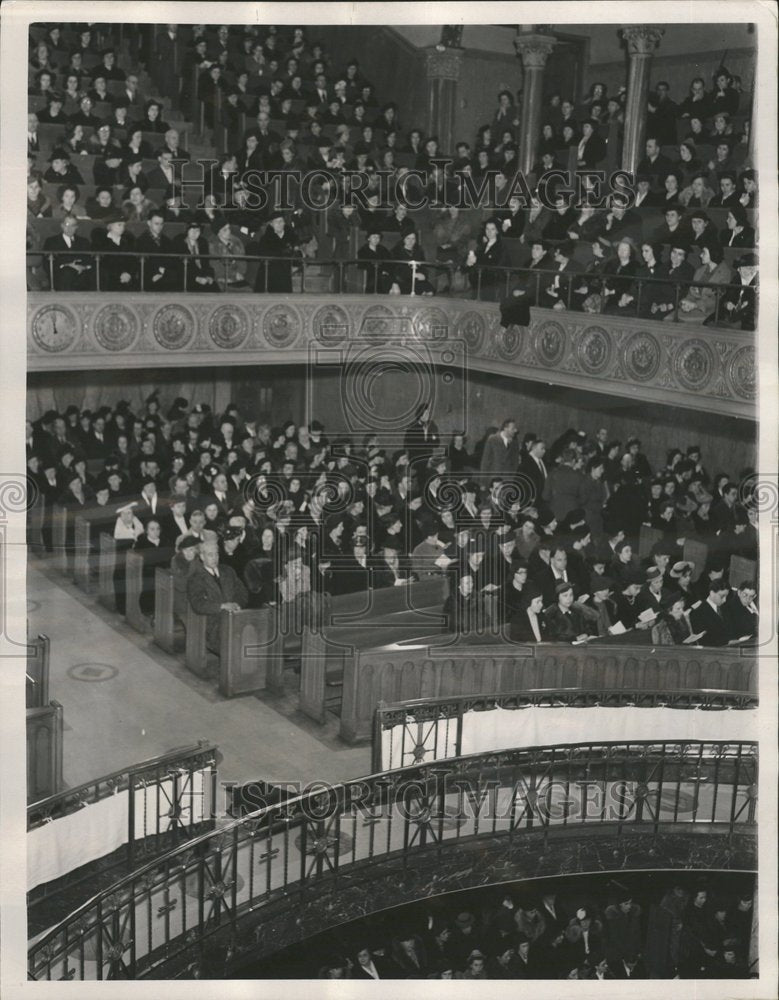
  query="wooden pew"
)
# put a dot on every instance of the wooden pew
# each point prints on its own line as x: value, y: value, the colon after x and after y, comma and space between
x: 133, y: 588
x: 374, y: 675
x: 696, y: 553
x: 164, y: 620
x: 44, y: 751
x: 87, y: 528
x: 36, y: 518
x: 395, y: 613
x: 106, y: 568
x: 252, y: 652
x: 59, y: 532
x: 741, y: 570
x: 195, y: 653
x: 37, y: 673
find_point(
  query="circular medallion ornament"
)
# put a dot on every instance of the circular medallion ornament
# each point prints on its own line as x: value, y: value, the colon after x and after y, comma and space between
x: 743, y: 375
x: 281, y: 325
x: 115, y: 326
x: 431, y: 324
x: 549, y: 343
x: 378, y: 324
x: 508, y: 342
x: 92, y: 673
x: 594, y: 350
x: 173, y: 327
x: 54, y: 328
x: 228, y: 327
x: 330, y: 324
x: 470, y: 328
x: 694, y: 364
x: 641, y: 357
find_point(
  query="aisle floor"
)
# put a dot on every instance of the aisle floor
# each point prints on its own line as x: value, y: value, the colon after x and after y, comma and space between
x: 125, y: 701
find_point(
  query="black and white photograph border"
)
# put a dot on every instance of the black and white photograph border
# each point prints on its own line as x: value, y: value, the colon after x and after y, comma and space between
x: 298, y: 571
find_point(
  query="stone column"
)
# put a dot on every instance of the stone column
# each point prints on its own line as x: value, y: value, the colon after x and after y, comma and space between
x: 533, y: 49
x: 443, y: 72
x: 641, y: 40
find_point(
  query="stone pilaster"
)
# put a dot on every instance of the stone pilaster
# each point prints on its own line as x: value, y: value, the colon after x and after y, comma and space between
x: 641, y: 41
x: 533, y: 50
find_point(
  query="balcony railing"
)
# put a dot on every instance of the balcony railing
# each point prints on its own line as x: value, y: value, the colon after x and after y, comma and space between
x: 428, y: 729
x: 677, y: 364
x: 119, y: 820
x: 168, y: 910
x: 488, y: 283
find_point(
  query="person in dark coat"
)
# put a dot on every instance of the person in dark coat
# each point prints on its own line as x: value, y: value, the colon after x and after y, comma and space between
x: 527, y: 623
x: 619, y: 284
x: 199, y: 272
x: 159, y: 272
x: 463, y: 610
x: 405, y: 277
x: 368, y: 965
x: 154, y: 553
x: 500, y: 455
x: 516, y: 308
x: 623, y: 929
x: 487, y: 284
x: 554, y: 294
x: 592, y: 148
x: 738, y: 307
x: 118, y: 270
x: 373, y: 257
x: 74, y: 270
x: 212, y: 588
x: 564, y: 622
x: 740, y: 610
x: 422, y: 437
x: 276, y: 242
x: 709, y: 617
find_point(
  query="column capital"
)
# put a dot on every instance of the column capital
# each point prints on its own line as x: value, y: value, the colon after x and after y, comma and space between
x: 642, y: 39
x: 534, y: 49
x: 443, y: 65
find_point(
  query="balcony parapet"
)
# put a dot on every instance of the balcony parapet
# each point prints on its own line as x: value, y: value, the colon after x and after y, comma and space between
x: 676, y: 364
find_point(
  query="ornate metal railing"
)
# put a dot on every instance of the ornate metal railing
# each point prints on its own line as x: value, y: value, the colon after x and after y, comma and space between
x: 482, y: 282
x: 158, y: 918
x: 432, y: 728
x: 163, y: 804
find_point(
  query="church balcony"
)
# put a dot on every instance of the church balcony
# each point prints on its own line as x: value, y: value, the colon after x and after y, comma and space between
x: 677, y: 364
x: 288, y: 871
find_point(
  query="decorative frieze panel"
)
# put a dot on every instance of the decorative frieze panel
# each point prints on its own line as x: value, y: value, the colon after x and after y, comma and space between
x: 680, y: 365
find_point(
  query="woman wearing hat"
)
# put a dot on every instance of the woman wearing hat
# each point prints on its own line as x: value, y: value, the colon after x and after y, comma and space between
x: 230, y: 267
x: 278, y: 244
x: 619, y: 280
x: 701, y: 298
x: 652, y: 291
x: 485, y: 264
x: 197, y: 274
x: 739, y: 304
x: 586, y: 294
x: 591, y: 149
